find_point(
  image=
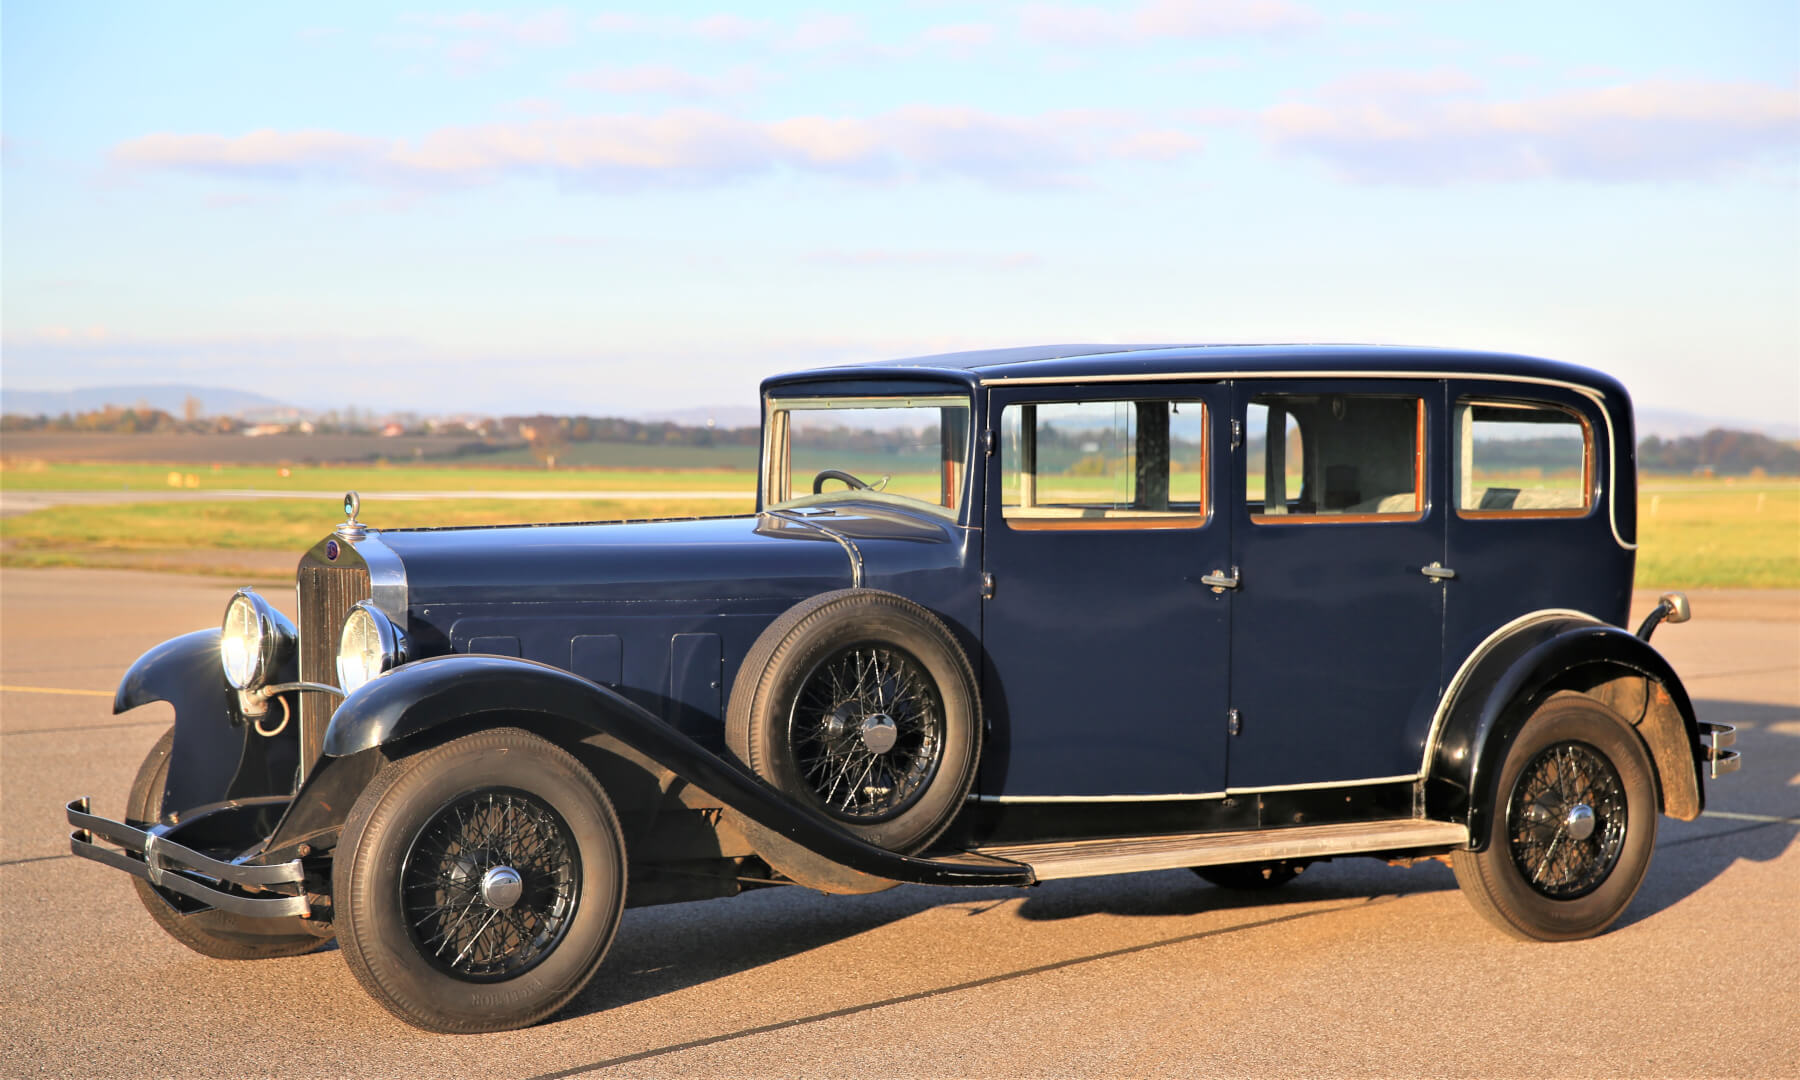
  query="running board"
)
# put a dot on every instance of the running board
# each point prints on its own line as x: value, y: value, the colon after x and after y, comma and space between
x: 1090, y: 858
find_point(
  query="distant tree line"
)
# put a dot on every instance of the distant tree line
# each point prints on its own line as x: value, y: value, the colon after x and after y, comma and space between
x: 1720, y: 450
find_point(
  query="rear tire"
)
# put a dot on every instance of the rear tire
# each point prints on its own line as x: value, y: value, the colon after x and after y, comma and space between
x: 479, y: 883
x: 221, y: 935
x: 1572, y: 829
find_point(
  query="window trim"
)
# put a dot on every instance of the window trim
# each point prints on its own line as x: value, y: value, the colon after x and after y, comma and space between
x: 1419, y: 506
x: 776, y: 464
x: 1163, y: 521
x: 1588, y: 500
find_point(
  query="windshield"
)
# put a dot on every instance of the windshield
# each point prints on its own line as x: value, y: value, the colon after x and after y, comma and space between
x: 903, y: 450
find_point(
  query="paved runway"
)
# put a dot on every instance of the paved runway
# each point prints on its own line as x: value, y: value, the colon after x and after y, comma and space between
x: 1355, y: 969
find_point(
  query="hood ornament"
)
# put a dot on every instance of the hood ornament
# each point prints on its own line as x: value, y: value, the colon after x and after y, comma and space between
x: 352, y: 529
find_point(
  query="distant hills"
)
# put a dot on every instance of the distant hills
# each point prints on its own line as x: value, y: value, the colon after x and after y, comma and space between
x: 170, y: 398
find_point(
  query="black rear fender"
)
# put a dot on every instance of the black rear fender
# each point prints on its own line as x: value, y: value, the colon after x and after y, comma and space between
x: 1493, y: 698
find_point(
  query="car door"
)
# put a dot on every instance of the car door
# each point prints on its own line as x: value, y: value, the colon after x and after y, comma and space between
x: 1105, y: 654
x: 1338, y: 620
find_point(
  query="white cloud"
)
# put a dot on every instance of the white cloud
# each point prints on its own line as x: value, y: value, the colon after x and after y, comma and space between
x: 1632, y: 132
x: 685, y: 146
x: 1084, y: 25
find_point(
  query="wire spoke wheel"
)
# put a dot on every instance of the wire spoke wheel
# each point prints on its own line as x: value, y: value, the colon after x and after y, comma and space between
x: 489, y: 884
x: 866, y: 732
x: 1567, y: 820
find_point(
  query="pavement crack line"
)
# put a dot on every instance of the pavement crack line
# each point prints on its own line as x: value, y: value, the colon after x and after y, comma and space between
x: 36, y: 858
x: 86, y: 727
x: 713, y: 1040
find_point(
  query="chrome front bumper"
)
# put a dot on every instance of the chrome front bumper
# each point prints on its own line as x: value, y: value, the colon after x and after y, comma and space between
x: 1714, y: 738
x: 168, y: 865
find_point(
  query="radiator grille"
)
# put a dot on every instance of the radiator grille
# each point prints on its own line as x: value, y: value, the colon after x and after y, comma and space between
x: 327, y: 593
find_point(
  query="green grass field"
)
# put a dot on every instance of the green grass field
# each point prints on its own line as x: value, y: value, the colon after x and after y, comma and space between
x: 367, y: 479
x: 1693, y: 533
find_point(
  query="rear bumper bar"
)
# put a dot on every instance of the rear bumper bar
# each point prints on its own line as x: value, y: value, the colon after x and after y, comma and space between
x: 1714, y: 738
x: 168, y: 865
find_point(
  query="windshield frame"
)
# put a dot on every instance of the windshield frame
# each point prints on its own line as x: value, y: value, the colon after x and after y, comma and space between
x: 776, y: 471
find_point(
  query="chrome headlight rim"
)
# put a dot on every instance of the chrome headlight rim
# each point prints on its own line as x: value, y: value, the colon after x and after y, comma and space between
x: 264, y: 638
x: 381, y: 646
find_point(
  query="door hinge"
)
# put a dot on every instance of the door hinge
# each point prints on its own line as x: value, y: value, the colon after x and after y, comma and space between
x: 989, y: 441
x: 1237, y: 434
x: 1234, y: 720
x: 987, y: 586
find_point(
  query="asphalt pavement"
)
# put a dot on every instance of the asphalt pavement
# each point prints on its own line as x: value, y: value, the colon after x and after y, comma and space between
x: 1355, y: 969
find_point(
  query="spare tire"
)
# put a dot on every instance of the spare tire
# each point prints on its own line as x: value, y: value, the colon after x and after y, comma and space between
x: 861, y: 705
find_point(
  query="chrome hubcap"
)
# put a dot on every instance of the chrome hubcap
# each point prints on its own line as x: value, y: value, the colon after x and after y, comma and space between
x: 1580, y: 821
x: 501, y: 887
x: 879, y: 733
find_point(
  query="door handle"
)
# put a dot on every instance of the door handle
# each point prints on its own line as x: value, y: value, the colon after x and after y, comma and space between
x: 1437, y: 572
x: 1220, y: 581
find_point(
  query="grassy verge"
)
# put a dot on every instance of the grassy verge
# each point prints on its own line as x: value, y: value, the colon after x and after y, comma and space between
x: 51, y: 476
x: 1693, y: 534
x: 162, y: 535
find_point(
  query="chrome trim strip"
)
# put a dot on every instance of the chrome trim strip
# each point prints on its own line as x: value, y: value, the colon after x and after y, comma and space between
x: 1599, y: 400
x: 387, y: 576
x: 1474, y: 657
x: 1324, y: 786
x: 849, y: 545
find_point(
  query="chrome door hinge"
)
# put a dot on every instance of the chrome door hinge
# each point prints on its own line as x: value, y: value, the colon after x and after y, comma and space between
x: 1234, y: 721
x: 1237, y: 434
x: 987, y: 586
x: 989, y: 440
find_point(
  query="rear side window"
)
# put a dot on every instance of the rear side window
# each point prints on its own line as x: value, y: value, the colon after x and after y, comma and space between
x: 1104, y: 465
x: 1522, y: 459
x: 1335, y: 458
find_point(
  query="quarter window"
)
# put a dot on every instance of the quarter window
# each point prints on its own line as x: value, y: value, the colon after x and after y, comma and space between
x: 1335, y: 457
x: 1522, y: 459
x: 1104, y: 465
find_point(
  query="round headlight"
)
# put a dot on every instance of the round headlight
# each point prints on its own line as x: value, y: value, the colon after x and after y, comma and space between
x: 369, y: 644
x: 253, y: 640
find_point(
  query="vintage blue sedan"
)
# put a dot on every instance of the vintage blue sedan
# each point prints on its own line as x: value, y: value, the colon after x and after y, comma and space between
x: 1000, y: 618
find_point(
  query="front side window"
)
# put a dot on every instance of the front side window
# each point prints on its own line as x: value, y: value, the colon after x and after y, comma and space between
x: 909, y: 451
x: 1522, y: 459
x: 1335, y: 457
x: 1103, y: 465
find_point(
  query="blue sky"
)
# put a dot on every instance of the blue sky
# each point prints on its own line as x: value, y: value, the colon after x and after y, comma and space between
x: 626, y: 208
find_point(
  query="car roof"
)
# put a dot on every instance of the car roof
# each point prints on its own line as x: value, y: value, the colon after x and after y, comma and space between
x: 1112, y: 362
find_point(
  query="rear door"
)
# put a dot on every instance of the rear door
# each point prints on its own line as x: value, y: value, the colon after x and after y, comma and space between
x: 1106, y: 655
x: 1337, y: 626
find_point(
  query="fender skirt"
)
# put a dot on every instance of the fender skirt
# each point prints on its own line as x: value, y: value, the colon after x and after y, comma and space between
x: 217, y: 757
x: 798, y: 842
x: 1499, y: 693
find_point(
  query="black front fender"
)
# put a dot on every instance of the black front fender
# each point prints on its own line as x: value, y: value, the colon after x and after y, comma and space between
x: 416, y: 697
x: 1496, y: 696
x: 217, y: 756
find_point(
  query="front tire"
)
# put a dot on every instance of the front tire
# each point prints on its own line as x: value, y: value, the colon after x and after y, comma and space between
x: 221, y: 935
x: 1572, y: 828
x: 479, y: 883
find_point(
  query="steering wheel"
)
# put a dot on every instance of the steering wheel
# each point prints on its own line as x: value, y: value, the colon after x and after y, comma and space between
x: 837, y: 474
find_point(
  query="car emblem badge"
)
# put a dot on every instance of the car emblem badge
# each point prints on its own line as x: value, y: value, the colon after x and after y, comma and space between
x: 331, y: 549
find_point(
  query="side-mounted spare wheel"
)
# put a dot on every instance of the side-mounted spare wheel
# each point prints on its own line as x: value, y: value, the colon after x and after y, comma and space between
x: 218, y: 934
x: 1572, y: 827
x: 479, y: 883
x: 861, y: 705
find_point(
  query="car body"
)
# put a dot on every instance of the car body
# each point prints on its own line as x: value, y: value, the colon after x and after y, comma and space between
x: 1106, y: 609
